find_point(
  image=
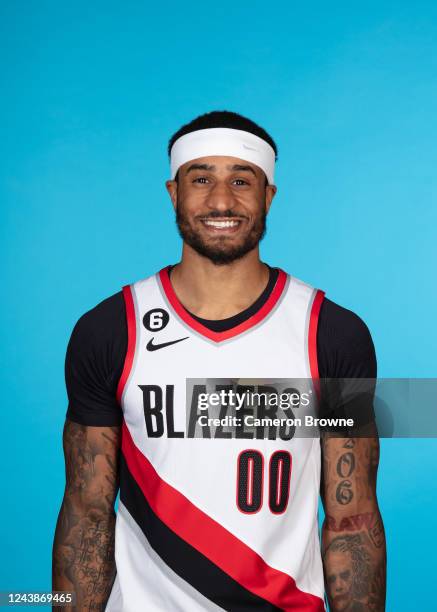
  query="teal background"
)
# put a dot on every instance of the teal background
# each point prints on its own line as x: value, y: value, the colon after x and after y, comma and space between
x: 91, y: 92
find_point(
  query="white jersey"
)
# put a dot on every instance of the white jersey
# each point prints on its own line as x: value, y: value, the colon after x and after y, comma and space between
x: 218, y: 495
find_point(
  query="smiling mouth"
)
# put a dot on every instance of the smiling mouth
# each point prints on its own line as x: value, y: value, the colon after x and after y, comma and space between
x: 222, y: 225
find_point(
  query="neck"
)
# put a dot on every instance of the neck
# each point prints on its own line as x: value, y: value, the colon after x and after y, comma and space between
x: 218, y: 292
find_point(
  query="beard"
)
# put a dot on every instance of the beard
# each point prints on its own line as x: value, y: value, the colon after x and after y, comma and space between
x: 219, y: 252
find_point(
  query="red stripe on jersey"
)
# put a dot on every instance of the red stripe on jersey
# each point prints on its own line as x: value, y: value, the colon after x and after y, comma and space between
x: 229, y: 333
x: 131, y: 341
x: 212, y: 540
x: 312, y: 339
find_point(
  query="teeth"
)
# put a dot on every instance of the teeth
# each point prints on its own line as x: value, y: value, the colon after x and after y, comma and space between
x: 220, y: 224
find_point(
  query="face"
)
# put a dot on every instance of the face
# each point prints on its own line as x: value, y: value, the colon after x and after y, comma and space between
x: 340, y: 582
x: 221, y: 205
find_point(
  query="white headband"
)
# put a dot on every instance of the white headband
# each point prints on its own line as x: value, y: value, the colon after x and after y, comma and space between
x: 223, y: 141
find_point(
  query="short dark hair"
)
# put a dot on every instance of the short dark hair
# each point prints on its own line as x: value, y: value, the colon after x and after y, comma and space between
x: 223, y: 119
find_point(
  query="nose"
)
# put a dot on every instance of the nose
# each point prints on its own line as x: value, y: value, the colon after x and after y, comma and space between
x: 220, y: 197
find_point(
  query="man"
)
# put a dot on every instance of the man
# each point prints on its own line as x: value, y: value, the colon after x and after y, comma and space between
x: 182, y: 391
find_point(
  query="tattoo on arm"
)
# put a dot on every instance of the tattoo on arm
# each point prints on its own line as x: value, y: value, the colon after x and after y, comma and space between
x: 353, y: 539
x: 354, y: 581
x: 83, y: 550
x: 366, y: 521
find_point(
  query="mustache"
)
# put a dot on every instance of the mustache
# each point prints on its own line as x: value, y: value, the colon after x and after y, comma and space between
x: 228, y: 214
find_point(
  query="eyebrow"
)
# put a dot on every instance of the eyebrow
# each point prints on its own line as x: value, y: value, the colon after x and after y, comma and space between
x: 207, y: 167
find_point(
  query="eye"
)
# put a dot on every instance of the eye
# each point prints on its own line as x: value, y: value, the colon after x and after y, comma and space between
x: 200, y: 179
x: 240, y: 182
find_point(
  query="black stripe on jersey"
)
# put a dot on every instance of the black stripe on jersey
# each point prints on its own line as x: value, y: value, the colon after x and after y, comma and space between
x: 184, y: 559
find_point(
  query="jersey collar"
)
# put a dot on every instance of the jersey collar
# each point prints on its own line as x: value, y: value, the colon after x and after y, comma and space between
x: 188, y: 320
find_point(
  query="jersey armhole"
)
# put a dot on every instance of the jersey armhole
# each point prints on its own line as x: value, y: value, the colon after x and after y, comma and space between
x: 131, y: 341
x: 312, y: 339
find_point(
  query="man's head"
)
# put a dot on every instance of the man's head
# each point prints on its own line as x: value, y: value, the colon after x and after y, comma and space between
x: 221, y: 187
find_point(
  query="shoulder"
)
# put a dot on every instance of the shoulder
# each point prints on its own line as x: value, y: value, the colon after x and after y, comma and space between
x: 100, y: 319
x: 94, y: 362
x: 344, y: 343
x: 98, y: 341
x: 342, y: 322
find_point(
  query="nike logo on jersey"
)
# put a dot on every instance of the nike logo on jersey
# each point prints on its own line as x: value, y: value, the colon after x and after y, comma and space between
x: 154, y: 347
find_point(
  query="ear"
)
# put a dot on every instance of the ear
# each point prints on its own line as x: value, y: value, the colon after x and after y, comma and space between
x: 172, y: 188
x: 270, y: 194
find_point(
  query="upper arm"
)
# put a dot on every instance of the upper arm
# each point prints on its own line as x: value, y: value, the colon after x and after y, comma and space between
x: 345, y: 347
x: 94, y: 362
x: 91, y: 465
x: 348, y: 372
